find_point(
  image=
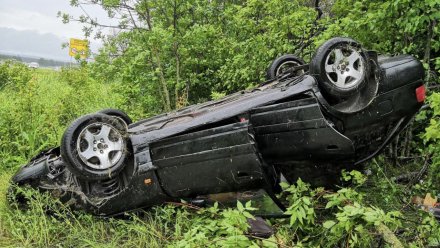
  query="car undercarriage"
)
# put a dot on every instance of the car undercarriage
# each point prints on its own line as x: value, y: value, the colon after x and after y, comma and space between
x: 307, y: 121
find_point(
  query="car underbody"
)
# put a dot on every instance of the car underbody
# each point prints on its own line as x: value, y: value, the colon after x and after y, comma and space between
x: 289, y: 126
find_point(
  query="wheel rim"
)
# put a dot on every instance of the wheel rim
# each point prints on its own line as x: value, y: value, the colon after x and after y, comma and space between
x: 344, y: 67
x: 285, y: 66
x: 100, y: 146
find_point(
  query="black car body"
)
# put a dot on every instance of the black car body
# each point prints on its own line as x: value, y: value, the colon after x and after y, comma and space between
x: 289, y: 126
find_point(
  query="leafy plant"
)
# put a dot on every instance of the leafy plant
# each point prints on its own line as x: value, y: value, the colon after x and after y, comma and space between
x: 14, y: 74
x: 301, y: 204
x: 432, y: 139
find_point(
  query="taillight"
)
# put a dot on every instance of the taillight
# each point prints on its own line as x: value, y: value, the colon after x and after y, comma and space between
x: 421, y: 93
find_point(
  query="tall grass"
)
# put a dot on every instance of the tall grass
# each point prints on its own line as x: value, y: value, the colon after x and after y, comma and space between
x: 34, y: 115
x: 45, y: 222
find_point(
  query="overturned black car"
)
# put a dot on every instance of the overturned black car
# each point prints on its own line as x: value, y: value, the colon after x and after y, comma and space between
x: 308, y: 121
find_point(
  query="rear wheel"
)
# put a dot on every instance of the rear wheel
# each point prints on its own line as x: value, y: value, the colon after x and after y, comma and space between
x: 94, y: 147
x: 117, y: 113
x: 341, y: 67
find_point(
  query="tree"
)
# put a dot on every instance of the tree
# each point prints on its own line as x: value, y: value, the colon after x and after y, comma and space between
x: 175, y: 52
x: 393, y: 27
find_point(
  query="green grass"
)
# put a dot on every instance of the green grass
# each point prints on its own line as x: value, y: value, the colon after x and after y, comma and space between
x: 47, y: 223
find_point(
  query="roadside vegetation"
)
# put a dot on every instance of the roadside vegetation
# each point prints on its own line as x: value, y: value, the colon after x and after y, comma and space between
x: 177, y: 53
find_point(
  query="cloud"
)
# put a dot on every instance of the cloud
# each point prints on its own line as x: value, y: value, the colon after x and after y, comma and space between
x: 32, y: 43
x: 20, y: 19
x: 40, y: 17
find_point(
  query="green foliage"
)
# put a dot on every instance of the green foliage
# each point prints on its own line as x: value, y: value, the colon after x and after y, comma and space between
x: 428, y: 232
x: 355, y: 223
x: 216, y: 95
x: 350, y: 220
x: 213, y: 227
x: 37, y: 107
x: 14, y: 74
x: 45, y: 222
x: 196, y: 47
x: 354, y: 176
x: 432, y: 140
x: 301, y: 205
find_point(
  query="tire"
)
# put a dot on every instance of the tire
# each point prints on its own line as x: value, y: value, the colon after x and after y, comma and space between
x: 94, y: 147
x: 341, y: 67
x: 118, y: 113
x: 288, y: 60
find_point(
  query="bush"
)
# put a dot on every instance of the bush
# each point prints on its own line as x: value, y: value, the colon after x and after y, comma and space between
x: 432, y: 140
x: 14, y: 74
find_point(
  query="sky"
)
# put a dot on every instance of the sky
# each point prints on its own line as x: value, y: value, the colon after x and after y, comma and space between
x: 32, y: 20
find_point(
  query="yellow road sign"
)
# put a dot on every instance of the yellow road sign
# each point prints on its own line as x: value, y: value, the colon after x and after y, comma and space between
x: 78, y: 46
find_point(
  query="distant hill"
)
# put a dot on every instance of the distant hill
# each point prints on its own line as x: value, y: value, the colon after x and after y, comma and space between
x: 43, y: 62
x: 33, y: 44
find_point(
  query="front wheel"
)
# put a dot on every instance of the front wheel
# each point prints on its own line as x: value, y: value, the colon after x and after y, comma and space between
x: 94, y: 147
x: 283, y: 65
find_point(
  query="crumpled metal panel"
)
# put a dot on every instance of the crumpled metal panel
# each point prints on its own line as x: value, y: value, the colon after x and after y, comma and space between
x: 222, y: 159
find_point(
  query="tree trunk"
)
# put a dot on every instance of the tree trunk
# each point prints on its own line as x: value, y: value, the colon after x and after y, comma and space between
x: 180, y: 101
x: 163, y: 81
x: 427, y: 56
